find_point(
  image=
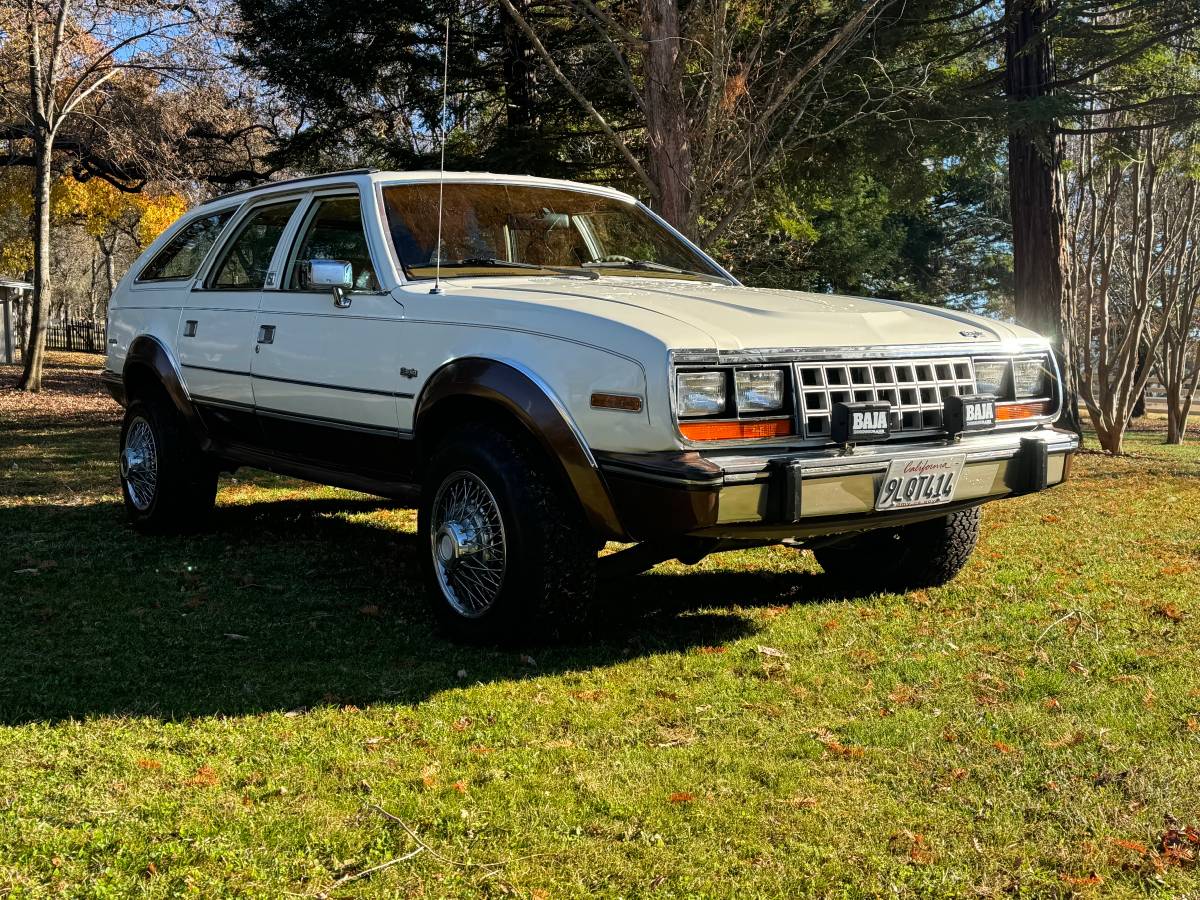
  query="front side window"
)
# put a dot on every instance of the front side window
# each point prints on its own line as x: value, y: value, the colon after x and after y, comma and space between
x: 246, y: 261
x: 508, y: 229
x: 335, y: 231
x: 182, y: 255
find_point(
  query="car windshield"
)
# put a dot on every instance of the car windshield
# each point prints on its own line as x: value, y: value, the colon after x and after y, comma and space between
x: 507, y: 229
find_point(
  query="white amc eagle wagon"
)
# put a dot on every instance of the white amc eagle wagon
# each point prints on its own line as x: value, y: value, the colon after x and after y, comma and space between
x: 579, y: 373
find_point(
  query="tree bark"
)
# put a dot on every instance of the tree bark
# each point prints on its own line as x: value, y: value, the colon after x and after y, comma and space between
x: 35, y: 350
x: 669, y: 156
x: 518, y: 73
x: 1036, y: 196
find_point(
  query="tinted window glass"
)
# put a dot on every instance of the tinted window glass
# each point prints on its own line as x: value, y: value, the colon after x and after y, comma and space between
x: 335, y: 231
x: 245, y: 264
x: 522, y: 230
x: 182, y: 255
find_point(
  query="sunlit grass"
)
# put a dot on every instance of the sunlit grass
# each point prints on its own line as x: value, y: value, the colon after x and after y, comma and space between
x: 219, y: 714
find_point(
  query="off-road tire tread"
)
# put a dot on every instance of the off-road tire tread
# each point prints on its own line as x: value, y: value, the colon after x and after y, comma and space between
x: 891, y: 559
x: 187, y: 478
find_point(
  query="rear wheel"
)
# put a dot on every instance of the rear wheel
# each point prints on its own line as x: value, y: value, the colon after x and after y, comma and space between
x: 911, y: 557
x: 168, y: 484
x: 506, y: 552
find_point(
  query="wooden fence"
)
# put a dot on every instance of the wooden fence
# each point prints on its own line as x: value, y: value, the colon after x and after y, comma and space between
x: 82, y: 335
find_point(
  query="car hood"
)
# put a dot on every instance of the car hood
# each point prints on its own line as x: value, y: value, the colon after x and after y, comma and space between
x: 701, y: 315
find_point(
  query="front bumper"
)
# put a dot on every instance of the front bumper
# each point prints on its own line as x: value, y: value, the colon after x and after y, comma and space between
x: 774, y: 494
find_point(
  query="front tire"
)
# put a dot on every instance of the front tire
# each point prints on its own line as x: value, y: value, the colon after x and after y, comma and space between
x: 505, y: 549
x: 911, y: 557
x: 168, y: 485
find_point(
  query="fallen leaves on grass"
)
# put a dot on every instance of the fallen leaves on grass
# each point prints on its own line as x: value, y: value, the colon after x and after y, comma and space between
x: 681, y: 797
x: 1070, y: 739
x: 149, y: 764
x: 1138, y: 848
x: 1179, y: 845
x: 914, y: 845
x: 709, y: 650
x: 1169, y: 611
x: 837, y: 748
x: 205, y: 777
x: 770, y: 651
x: 1090, y: 880
x: 1003, y: 747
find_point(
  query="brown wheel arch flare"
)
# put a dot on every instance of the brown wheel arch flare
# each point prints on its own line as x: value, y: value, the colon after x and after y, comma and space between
x: 149, y: 359
x: 525, y: 400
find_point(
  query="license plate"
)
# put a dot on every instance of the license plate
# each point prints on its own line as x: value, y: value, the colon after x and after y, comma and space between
x: 920, y: 481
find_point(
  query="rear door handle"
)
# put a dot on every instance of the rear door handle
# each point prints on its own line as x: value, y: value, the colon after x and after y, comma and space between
x: 266, y: 334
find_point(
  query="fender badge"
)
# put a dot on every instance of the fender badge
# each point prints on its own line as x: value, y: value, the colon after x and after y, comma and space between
x: 406, y: 372
x: 972, y: 334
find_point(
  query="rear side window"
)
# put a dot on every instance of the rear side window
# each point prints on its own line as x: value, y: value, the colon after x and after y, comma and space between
x: 248, y: 256
x: 182, y: 255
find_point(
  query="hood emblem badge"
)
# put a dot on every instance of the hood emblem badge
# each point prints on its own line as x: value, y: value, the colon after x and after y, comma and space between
x: 972, y: 334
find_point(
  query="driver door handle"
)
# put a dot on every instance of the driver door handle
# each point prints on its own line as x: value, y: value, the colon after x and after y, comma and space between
x: 266, y: 334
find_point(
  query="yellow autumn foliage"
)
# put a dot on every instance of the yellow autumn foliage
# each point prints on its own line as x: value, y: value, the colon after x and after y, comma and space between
x: 95, y: 205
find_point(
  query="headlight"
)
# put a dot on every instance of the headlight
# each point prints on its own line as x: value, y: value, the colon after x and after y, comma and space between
x: 700, y: 393
x: 990, y: 375
x: 1029, y: 378
x: 759, y: 390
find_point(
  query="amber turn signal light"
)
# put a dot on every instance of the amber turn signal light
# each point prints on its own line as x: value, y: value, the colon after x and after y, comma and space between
x: 733, y: 431
x: 623, y: 402
x: 1010, y: 411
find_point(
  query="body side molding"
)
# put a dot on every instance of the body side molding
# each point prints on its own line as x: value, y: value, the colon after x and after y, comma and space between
x: 524, y: 396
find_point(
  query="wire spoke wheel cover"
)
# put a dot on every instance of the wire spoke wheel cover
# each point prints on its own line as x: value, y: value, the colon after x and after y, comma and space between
x: 467, y: 541
x: 139, y: 464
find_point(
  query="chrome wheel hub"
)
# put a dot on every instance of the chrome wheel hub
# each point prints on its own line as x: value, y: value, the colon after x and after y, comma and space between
x: 139, y: 464
x: 468, y: 544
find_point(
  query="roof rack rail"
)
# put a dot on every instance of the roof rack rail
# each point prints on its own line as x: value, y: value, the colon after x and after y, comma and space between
x: 301, y: 178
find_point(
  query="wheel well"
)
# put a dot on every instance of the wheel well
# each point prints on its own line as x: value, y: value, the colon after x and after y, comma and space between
x: 454, y: 411
x: 143, y: 383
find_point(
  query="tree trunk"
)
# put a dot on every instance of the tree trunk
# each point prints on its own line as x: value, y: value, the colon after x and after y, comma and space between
x: 1139, y: 403
x: 1040, y: 264
x: 110, y: 272
x: 670, y: 156
x: 35, y: 351
x: 518, y: 73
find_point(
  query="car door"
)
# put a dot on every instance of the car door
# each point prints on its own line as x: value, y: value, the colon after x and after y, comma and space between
x: 217, y: 328
x: 326, y: 377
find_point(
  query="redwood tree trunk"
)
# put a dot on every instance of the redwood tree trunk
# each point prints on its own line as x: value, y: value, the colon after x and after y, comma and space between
x: 35, y: 350
x: 1036, y: 198
x: 670, y: 156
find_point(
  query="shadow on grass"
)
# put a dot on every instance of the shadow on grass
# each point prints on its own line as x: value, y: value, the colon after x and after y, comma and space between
x: 286, y: 605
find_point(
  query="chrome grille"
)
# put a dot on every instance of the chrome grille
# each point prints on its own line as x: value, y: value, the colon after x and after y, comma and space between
x: 916, y: 389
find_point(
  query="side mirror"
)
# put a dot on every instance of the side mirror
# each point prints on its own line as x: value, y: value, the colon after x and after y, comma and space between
x: 335, y: 274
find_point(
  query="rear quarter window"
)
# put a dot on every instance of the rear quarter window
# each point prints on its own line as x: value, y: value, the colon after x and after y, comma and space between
x: 182, y: 255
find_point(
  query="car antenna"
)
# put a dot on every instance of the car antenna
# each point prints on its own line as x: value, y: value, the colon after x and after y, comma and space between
x: 437, y: 279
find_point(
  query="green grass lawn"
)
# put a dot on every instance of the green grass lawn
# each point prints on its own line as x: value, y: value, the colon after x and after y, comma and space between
x: 233, y: 714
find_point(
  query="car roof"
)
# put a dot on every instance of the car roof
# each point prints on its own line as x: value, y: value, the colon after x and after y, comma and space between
x: 365, y: 177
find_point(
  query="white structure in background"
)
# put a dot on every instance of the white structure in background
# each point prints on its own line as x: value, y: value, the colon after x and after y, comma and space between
x: 10, y: 294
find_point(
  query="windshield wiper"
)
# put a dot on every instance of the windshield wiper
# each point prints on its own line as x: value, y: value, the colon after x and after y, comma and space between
x: 508, y: 264
x: 646, y: 265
